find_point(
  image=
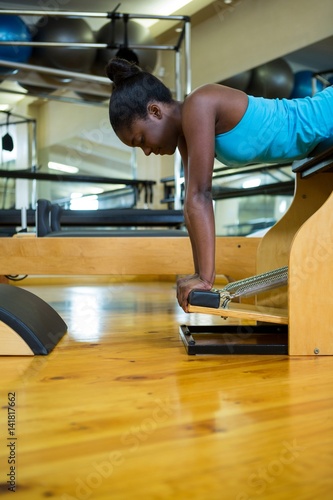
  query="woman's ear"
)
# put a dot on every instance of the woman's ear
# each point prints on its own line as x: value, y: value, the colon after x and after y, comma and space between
x: 154, y: 110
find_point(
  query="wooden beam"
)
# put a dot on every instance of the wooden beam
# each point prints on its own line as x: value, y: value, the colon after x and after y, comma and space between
x: 235, y: 257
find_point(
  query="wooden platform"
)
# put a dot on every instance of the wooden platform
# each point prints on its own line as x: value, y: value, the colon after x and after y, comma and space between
x: 246, y: 311
x: 119, y: 411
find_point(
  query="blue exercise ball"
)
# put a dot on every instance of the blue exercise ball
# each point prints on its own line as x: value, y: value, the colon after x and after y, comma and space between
x: 303, y: 84
x: 12, y: 28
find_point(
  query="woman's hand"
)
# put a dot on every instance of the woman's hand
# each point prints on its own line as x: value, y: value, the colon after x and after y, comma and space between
x: 188, y: 283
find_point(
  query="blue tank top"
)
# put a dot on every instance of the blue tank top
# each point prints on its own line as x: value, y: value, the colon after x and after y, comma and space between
x: 276, y: 130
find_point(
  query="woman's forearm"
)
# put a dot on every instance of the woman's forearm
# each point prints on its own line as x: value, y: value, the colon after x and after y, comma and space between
x: 192, y: 239
x: 199, y: 212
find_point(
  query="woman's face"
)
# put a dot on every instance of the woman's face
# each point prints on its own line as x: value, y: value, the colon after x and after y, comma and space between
x: 156, y: 134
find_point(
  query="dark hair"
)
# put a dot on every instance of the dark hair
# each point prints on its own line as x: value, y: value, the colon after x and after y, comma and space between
x: 133, y: 90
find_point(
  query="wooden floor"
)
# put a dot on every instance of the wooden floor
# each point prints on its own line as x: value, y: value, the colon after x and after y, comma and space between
x: 120, y: 411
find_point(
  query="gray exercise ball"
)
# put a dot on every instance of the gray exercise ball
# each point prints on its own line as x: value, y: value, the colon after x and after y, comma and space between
x: 92, y: 97
x: 240, y: 81
x: 274, y: 79
x: 65, y: 30
x: 114, y: 33
x: 36, y: 89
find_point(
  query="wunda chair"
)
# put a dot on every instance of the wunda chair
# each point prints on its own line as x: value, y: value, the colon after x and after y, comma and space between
x: 293, y: 287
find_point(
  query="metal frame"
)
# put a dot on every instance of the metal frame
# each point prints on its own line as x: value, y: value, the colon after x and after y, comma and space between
x: 235, y: 339
x: 184, y: 37
x: 32, y: 131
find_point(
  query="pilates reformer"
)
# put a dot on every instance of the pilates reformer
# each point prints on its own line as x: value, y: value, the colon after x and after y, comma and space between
x: 294, y: 264
x: 117, y: 222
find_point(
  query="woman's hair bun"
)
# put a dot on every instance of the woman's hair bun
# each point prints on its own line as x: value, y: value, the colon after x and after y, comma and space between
x: 119, y: 70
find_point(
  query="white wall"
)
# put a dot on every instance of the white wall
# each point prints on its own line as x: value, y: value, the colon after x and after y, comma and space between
x: 254, y: 32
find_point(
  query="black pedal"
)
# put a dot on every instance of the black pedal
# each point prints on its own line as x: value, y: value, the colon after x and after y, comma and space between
x: 204, y: 298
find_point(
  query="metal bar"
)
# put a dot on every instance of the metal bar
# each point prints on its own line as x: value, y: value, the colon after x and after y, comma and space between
x: 282, y: 188
x: 188, y: 75
x: 27, y: 174
x: 53, y: 13
x: 148, y: 16
x: 16, y: 123
x: 56, y: 72
x: 27, y: 119
x: 179, y: 93
x: 250, y: 169
x: 177, y: 157
x: 54, y: 44
x: 324, y: 72
x: 180, y: 39
x: 60, y: 98
x: 34, y: 162
x: 323, y: 80
x: 102, y: 15
x: 85, y: 45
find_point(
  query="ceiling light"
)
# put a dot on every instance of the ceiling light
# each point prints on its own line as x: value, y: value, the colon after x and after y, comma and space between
x: 282, y: 206
x: 251, y: 183
x: 166, y: 9
x: 89, y: 202
x: 96, y: 190
x: 62, y: 168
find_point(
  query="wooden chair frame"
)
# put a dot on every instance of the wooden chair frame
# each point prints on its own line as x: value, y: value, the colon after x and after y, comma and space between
x: 302, y: 240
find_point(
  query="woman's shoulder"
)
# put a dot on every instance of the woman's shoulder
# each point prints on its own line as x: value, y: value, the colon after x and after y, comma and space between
x: 215, y: 93
x: 206, y: 90
x: 207, y: 96
x: 225, y: 104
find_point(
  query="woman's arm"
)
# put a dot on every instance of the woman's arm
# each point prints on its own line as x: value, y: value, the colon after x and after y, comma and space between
x: 183, y: 152
x: 199, y: 131
x: 209, y: 110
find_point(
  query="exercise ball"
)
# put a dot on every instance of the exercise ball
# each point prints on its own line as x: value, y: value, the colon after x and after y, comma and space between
x: 114, y: 33
x: 64, y: 30
x: 91, y: 97
x: 240, y: 81
x: 274, y: 79
x: 36, y: 89
x: 12, y: 28
x: 303, y: 84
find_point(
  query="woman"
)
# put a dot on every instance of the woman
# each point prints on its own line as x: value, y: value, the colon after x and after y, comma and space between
x: 213, y: 120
